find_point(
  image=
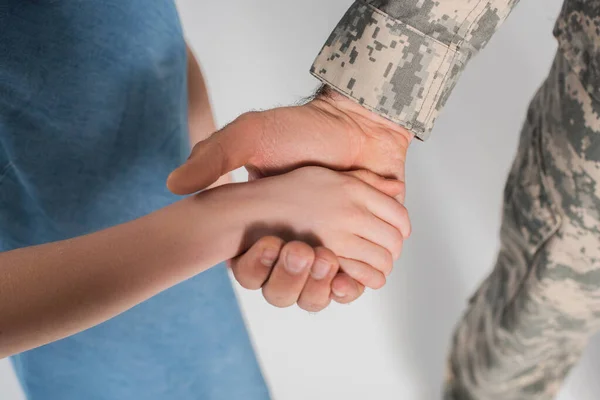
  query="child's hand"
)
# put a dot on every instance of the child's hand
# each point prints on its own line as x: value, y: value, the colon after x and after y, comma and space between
x: 352, y: 214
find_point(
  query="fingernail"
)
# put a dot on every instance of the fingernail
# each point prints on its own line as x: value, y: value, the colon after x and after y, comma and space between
x: 337, y: 293
x: 295, y: 264
x: 268, y: 258
x: 320, y: 269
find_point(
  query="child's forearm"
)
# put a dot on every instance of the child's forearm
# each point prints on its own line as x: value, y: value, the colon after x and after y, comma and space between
x: 54, y: 290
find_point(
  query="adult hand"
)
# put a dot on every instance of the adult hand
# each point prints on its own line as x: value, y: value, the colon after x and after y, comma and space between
x: 270, y: 264
x: 331, y: 131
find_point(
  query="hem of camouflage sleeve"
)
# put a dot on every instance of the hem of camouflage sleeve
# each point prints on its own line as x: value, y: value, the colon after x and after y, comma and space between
x: 390, y: 67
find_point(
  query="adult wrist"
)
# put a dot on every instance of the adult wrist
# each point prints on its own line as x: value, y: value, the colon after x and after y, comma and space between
x: 330, y: 95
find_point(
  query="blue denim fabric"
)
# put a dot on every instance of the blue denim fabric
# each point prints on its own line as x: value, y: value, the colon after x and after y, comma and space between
x: 93, y: 117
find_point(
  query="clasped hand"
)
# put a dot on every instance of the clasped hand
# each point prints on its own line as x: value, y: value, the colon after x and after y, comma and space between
x: 310, y: 234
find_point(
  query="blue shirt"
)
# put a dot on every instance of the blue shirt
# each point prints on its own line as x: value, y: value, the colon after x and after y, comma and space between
x: 93, y: 117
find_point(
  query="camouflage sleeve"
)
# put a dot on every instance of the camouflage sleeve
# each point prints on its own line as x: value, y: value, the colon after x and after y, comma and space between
x: 402, y: 58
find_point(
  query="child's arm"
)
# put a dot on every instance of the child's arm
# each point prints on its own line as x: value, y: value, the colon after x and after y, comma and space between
x: 358, y: 221
x: 54, y: 290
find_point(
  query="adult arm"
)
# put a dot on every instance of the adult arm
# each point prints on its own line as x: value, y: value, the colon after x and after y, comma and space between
x: 389, y: 67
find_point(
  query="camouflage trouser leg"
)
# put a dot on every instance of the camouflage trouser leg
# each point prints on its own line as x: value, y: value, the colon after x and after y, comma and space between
x: 530, y: 320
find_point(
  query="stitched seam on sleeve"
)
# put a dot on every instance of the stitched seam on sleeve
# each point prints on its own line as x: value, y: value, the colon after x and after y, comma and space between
x: 397, y: 21
x: 410, y: 124
x: 444, y: 77
x: 442, y: 86
x: 407, y: 124
x: 449, y: 49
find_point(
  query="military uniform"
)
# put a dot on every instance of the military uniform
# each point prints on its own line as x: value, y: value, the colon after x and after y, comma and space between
x: 528, y: 323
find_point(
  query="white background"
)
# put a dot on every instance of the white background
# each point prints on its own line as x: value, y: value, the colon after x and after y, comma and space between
x: 391, y: 344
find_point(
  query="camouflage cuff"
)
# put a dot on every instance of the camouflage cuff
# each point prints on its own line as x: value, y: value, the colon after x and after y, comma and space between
x: 390, y: 67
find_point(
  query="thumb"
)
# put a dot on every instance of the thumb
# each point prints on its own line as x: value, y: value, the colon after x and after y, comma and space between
x: 391, y: 187
x: 226, y: 150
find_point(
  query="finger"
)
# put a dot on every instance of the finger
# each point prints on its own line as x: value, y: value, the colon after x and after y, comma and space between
x: 390, y: 187
x: 289, y: 275
x: 362, y: 273
x: 390, y: 211
x: 252, y: 268
x: 316, y: 294
x: 226, y: 150
x: 401, y: 197
x: 379, y: 260
x: 376, y: 230
x: 224, y: 180
x: 345, y: 290
x: 382, y: 204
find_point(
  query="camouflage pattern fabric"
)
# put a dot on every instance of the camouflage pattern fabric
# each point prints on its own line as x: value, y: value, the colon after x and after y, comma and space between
x: 532, y: 317
x: 530, y: 320
x: 402, y: 58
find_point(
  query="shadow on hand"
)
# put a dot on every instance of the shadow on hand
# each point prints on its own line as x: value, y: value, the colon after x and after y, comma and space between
x: 286, y: 233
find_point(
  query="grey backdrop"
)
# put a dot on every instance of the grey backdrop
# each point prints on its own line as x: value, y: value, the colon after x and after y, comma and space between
x: 391, y: 344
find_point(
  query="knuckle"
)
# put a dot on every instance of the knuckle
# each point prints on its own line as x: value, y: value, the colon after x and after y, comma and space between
x: 353, y: 295
x: 277, y: 300
x: 356, y: 214
x: 312, y: 306
x: 401, y: 210
x: 299, y: 249
x: 280, y: 305
x: 385, y: 261
x: 371, y: 276
x: 232, y: 264
x: 325, y: 254
x: 246, y: 279
x: 298, y: 246
x: 250, y: 284
x: 270, y: 242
